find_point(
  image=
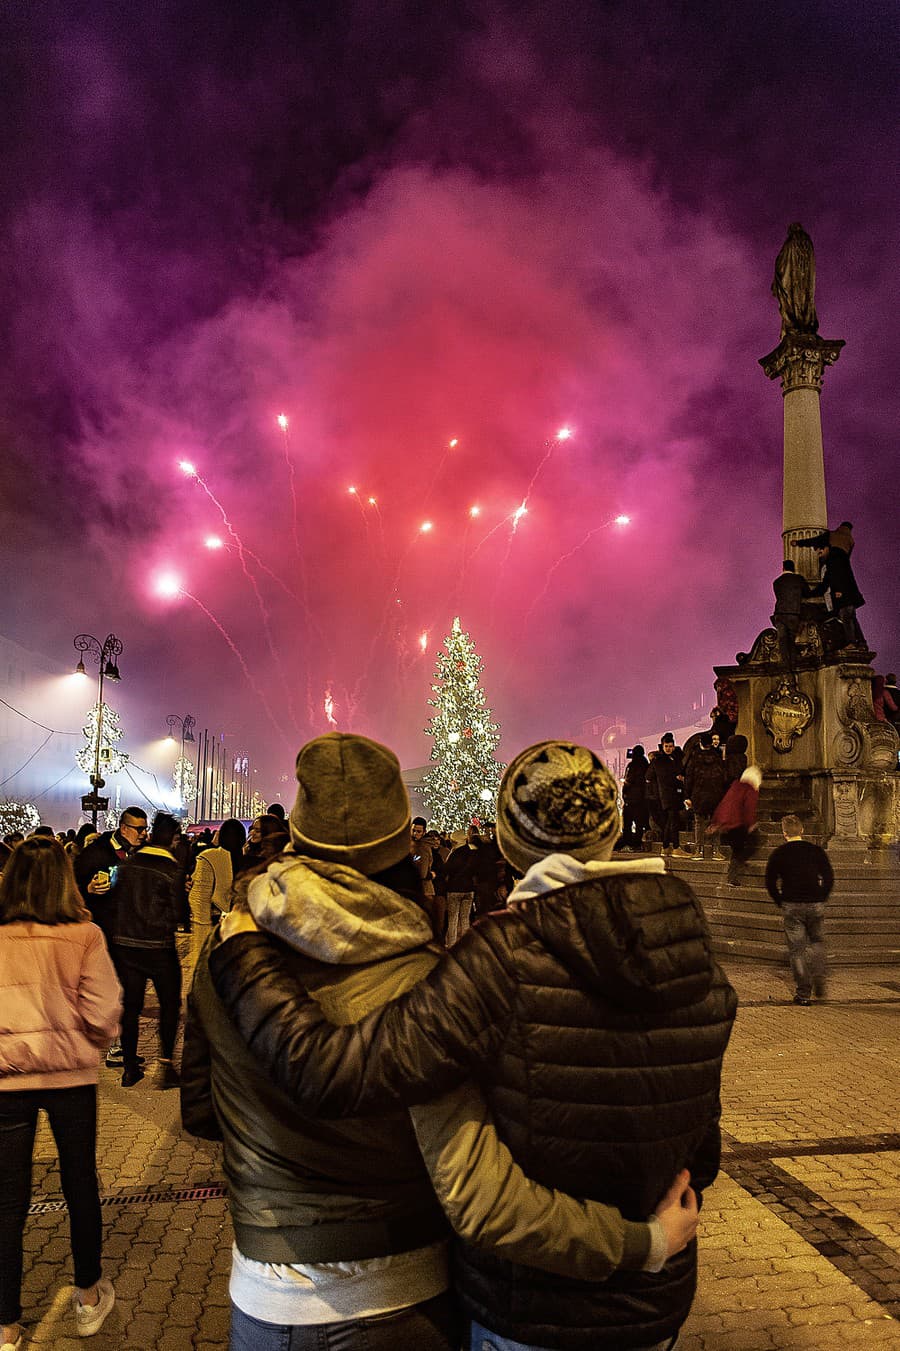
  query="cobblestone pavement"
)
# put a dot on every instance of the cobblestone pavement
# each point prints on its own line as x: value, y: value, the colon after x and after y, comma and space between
x: 800, y: 1236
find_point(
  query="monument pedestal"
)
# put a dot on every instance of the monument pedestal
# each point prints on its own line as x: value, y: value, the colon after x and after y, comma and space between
x: 826, y: 758
x: 816, y: 731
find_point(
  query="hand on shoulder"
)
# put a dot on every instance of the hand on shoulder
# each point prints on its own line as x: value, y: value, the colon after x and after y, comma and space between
x: 237, y: 922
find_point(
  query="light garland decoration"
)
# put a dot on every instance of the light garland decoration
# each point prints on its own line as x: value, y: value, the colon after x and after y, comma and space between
x: 18, y: 816
x: 463, y: 783
x: 184, y: 780
x: 111, y: 732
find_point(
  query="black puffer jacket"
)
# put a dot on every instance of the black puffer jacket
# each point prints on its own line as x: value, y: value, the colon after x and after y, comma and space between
x: 634, y: 785
x: 704, y: 780
x: 664, y: 780
x: 596, y: 1022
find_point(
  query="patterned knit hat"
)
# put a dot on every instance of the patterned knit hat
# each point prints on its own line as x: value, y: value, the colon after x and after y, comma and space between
x: 557, y: 797
x: 352, y: 806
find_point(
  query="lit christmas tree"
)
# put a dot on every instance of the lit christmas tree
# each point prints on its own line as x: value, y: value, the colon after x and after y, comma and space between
x: 464, y: 782
x: 111, y: 760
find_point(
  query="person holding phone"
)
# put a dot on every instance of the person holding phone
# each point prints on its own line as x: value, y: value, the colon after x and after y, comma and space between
x: 93, y: 867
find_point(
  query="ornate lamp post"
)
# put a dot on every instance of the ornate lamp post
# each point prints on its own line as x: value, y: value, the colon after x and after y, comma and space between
x: 187, y: 725
x: 104, y: 655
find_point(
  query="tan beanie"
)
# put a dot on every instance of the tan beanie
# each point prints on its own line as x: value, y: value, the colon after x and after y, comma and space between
x: 352, y: 806
x: 557, y: 797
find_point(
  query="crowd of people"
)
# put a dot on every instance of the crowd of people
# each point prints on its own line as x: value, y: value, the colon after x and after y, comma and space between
x: 467, y: 1085
x: 466, y: 1144
x: 707, y: 787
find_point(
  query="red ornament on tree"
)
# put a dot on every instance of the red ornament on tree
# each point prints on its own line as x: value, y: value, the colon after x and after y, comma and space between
x: 467, y: 731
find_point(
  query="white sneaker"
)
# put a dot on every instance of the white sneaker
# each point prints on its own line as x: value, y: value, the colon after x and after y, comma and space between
x: 90, y: 1318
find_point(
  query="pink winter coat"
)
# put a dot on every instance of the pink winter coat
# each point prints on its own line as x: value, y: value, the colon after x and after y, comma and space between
x: 59, y: 1004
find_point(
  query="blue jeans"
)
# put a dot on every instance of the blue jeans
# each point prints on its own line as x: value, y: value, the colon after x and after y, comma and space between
x: 803, y: 923
x: 483, y: 1340
x: 72, y: 1113
x: 431, y: 1326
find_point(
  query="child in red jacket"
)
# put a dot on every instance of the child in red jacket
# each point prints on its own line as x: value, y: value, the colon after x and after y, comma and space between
x: 735, y: 820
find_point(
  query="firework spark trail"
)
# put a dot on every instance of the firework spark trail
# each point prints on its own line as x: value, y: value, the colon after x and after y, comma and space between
x: 237, y: 652
x: 284, y: 424
x: 328, y: 706
x: 451, y: 445
x: 564, y: 558
x: 373, y: 503
x: 243, y: 553
x: 564, y: 434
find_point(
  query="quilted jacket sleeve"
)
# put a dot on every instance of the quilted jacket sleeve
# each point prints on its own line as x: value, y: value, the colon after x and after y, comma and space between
x: 441, y: 1032
x: 197, y: 1113
x: 493, y: 1205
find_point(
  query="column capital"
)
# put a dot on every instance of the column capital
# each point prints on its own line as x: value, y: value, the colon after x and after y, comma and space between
x: 800, y: 360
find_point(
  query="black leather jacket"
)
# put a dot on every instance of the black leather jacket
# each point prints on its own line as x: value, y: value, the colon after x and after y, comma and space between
x: 147, y: 901
x: 594, y: 1019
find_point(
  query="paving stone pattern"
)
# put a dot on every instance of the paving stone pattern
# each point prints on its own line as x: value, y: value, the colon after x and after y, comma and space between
x: 800, y: 1236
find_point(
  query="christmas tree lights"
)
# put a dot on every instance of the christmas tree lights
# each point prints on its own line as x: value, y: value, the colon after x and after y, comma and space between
x: 463, y: 783
x: 111, y: 732
x: 184, y: 781
x: 18, y: 816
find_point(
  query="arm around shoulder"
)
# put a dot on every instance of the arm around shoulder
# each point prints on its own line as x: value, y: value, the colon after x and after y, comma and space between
x: 424, y: 1042
x: 493, y: 1205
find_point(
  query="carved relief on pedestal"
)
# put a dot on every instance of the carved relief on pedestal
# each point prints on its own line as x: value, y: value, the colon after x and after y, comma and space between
x: 786, y: 713
x: 863, y: 742
x: 846, y: 803
x: 766, y: 652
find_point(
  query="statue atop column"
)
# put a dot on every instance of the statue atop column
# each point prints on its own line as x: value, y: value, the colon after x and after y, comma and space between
x: 794, y: 285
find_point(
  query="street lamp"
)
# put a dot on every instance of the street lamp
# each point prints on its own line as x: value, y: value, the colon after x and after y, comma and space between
x: 187, y: 725
x: 104, y: 655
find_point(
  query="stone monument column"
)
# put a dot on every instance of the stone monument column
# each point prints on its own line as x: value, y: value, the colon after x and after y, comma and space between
x: 799, y: 361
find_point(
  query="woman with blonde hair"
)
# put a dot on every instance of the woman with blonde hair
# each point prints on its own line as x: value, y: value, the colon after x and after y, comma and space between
x: 214, y: 874
x: 59, y: 1010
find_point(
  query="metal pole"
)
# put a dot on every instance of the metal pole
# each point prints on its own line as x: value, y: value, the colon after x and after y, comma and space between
x: 95, y: 781
x: 203, y: 780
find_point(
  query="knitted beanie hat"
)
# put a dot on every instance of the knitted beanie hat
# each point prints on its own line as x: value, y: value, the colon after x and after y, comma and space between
x: 557, y: 797
x: 352, y: 806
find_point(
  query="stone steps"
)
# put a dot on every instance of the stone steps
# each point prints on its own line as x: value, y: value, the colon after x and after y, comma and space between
x: 772, y: 954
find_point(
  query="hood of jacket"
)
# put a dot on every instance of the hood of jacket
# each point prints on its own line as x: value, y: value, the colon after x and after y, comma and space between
x: 628, y: 930
x: 335, y: 914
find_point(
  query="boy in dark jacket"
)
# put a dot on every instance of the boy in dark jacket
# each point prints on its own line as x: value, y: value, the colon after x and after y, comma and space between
x: 704, y: 786
x: 635, y: 813
x: 799, y: 878
x: 665, y: 783
x: 147, y: 913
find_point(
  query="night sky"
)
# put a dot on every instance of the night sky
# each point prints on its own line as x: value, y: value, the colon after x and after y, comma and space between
x: 402, y: 225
